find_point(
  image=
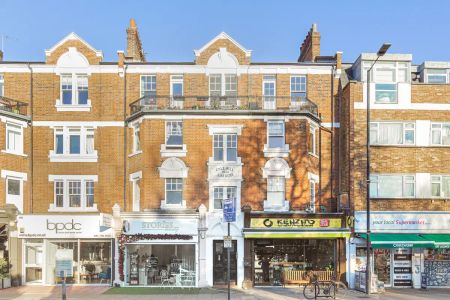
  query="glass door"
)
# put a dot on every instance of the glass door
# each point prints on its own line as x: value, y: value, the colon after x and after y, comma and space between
x: 33, y: 261
x: 220, y: 263
x: 382, y: 265
x: 269, y: 89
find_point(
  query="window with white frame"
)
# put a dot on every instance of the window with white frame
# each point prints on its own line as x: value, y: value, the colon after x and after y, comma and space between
x: 174, y: 134
x: 2, y: 85
x: 74, y: 89
x: 225, y: 147
x: 215, y: 85
x: 14, y: 138
x: 174, y: 191
x: 222, y: 193
x: 136, y: 194
x: 14, y: 188
x: 73, y: 142
x: 440, y: 134
x: 386, y: 93
x: 392, y: 133
x: 73, y: 193
x: 136, y: 138
x: 176, y: 85
x: 269, y: 91
x: 436, y: 76
x: 230, y: 85
x: 387, y: 72
x: 312, y: 195
x: 298, y: 88
x: 392, y: 186
x: 440, y: 186
x: 275, y: 134
x: 276, y: 190
x: 148, y: 85
x: 312, y: 140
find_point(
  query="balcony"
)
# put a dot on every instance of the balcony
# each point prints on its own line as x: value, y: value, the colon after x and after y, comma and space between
x: 13, y: 106
x: 224, y: 103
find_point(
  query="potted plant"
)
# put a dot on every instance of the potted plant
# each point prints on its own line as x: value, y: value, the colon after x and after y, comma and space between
x: 5, y: 280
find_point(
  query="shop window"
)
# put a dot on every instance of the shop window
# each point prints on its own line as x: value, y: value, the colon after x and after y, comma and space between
x: 161, y: 265
x: 95, y: 262
x: 34, y: 260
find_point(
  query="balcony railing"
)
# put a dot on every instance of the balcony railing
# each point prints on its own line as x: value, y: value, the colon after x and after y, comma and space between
x: 13, y: 106
x: 252, y: 103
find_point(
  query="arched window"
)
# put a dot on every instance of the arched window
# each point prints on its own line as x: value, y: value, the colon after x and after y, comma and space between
x: 173, y: 170
x: 276, y: 170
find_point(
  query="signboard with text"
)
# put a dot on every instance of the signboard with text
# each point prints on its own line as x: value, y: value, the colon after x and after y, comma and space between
x: 64, y: 262
x: 295, y: 223
x: 394, y: 221
x: 63, y: 226
x: 160, y: 226
x: 229, y: 210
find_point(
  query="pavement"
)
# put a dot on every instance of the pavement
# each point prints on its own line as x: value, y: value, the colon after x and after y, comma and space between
x: 267, y: 293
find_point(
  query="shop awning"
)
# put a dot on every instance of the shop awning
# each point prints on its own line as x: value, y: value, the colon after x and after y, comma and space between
x: 391, y: 240
x: 299, y: 235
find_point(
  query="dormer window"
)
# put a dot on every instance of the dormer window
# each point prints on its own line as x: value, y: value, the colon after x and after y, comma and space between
x: 74, y: 93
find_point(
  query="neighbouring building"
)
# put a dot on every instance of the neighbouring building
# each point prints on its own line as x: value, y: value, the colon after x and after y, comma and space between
x: 409, y: 167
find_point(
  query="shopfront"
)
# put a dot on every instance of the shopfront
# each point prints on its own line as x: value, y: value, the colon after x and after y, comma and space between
x: 286, y: 250
x: 408, y: 249
x: 159, y: 250
x: 83, y: 244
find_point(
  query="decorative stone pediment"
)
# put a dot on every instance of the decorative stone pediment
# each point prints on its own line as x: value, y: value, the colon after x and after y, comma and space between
x: 173, y: 168
x: 276, y: 167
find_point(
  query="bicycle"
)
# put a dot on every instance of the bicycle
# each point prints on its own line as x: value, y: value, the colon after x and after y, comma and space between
x: 320, y: 289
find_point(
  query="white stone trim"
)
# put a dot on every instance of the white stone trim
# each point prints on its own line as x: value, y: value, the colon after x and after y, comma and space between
x: 276, y: 167
x: 135, y: 153
x: 331, y: 125
x: 73, y: 157
x: 170, y: 152
x: 73, y: 107
x: 53, y: 208
x: 225, y: 129
x: 164, y: 204
x: 20, y: 175
x: 284, y: 152
x: 73, y: 36
x: 276, y: 208
x: 313, y: 177
x: 406, y: 106
x: 136, y: 175
x: 14, y: 153
x: 93, y: 124
x: 173, y: 168
x: 220, y: 36
x: 13, y: 121
x: 224, y: 116
x: 53, y: 177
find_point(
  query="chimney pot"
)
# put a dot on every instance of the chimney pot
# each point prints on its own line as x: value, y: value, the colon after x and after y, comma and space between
x: 134, y: 45
x: 310, y: 48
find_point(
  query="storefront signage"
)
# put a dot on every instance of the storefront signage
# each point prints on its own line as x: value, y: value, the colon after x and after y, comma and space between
x: 402, y: 267
x: 160, y: 226
x: 391, y: 221
x: 295, y: 223
x: 217, y: 172
x: 62, y: 226
x: 229, y: 210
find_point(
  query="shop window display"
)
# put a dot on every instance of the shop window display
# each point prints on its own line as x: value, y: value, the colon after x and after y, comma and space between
x: 161, y: 265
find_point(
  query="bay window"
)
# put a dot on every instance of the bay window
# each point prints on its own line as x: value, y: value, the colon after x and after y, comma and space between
x: 392, y: 186
x: 222, y: 193
x: 73, y: 143
x: 225, y: 147
x: 392, y: 133
x: 440, y: 186
x: 276, y: 190
x: 440, y: 134
x: 73, y: 192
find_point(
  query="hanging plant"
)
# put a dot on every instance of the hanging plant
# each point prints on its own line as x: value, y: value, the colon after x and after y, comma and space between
x: 131, y: 238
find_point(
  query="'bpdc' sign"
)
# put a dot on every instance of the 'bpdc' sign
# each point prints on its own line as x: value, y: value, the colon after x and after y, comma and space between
x: 63, y: 227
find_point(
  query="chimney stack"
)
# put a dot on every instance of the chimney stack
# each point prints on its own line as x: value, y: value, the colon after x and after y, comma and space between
x: 134, y: 46
x: 310, y: 48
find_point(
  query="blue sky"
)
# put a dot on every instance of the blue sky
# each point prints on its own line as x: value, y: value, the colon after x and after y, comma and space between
x: 170, y: 30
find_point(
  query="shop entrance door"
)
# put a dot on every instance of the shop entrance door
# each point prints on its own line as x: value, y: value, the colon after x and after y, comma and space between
x: 220, y: 263
x: 382, y: 265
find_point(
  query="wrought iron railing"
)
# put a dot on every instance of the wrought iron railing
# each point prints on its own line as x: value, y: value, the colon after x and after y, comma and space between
x: 14, y: 106
x: 270, y: 103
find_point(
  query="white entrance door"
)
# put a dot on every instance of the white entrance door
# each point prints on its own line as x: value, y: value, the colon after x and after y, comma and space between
x: 14, y: 192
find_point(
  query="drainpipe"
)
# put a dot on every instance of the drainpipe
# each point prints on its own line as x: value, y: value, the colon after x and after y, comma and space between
x: 30, y: 161
x: 125, y: 139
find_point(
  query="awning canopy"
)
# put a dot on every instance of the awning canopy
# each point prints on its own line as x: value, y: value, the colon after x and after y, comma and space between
x: 392, y: 240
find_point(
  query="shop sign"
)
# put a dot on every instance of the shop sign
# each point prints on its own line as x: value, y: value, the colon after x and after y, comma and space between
x: 295, y: 223
x: 402, y: 267
x: 62, y: 226
x: 160, y: 226
x: 229, y: 210
x: 224, y: 172
x: 393, y: 221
